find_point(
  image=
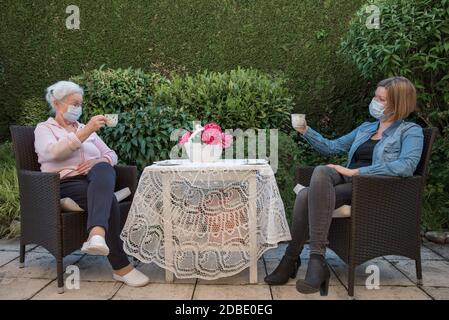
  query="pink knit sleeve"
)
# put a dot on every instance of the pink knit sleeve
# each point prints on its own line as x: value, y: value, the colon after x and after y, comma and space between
x: 105, y: 150
x: 48, y: 147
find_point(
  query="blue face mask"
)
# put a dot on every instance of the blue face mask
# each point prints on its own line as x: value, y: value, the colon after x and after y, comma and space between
x: 377, y: 109
x: 73, y: 113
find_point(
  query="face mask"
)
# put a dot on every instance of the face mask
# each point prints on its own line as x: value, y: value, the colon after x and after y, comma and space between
x: 73, y: 113
x: 376, y: 109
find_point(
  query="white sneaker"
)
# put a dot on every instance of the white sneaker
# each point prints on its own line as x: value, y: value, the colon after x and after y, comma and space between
x: 96, y: 245
x: 134, y: 278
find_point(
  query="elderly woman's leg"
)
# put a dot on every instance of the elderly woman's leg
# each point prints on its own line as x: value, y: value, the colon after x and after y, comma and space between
x: 100, y: 194
x: 104, y: 215
x: 117, y: 256
x: 95, y: 193
x: 104, y: 212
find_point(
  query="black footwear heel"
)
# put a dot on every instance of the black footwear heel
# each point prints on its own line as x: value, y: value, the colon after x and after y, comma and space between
x: 287, y: 268
x: 317, y: 277
x: 324, y: 288
x: 295, y: 272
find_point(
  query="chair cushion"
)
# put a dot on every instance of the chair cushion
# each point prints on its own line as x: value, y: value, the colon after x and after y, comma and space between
x: 68, y: 205
x: 342, y: 212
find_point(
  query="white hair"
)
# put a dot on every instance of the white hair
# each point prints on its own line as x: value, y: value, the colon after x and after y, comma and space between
x: 60, y: 90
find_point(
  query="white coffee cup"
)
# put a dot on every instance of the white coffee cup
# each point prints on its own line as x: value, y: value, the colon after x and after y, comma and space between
x: 298, y: 120
x: 111, y: 120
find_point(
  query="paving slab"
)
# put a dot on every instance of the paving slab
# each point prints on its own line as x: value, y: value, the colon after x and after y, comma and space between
x: 232, y: 292
x: 442, y: 249
x: 390, y: 293
x: 37, y: 265
x: 389, y: 275
x: 437, y: 293
x: 435, y: 273
x: 14, y: 245
x: 156, y: 291
x: 288, y: 292
x: 7, y: 256
x: 88, y: 290
x: 20, y: 288
x: 41, y: 249
x: 95, y: 268
x: 240, y: 278
x: 10, y: 245
x: 426, y: 254
x: 157, y: 274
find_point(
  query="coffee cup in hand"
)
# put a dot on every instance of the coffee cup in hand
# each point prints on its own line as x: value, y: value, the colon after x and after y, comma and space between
x: 299, y: 121
x: 111, y: 120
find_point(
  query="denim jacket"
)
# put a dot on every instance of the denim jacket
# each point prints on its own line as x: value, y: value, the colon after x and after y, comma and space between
x: 396, y: 154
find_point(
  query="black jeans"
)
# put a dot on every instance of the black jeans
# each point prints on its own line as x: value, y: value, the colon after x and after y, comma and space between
x: 313, y: 209
x: 94, y: 193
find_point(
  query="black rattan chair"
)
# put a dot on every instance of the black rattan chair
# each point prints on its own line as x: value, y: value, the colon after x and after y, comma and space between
x: 385, y: 216
x: 42, y: 221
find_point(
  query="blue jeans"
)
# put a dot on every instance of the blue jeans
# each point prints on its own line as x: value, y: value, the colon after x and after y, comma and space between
x: 313, y: 210
x: 94, y: 193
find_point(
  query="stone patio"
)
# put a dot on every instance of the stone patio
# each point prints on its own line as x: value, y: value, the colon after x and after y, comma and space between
x: 397, y: 279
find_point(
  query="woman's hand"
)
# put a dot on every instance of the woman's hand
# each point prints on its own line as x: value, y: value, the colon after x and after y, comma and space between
x: 85, y: 167
x: 94, y: 124
x: 302, y: 130
x: 344, y: 171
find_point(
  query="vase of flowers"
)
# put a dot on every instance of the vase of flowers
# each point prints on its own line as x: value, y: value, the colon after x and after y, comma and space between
x: 205, y: 144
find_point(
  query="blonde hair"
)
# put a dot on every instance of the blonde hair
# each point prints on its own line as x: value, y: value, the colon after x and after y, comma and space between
x: 401, y: 97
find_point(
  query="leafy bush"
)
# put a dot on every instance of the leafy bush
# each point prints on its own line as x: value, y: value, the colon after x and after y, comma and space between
x: 413, y: 41
x: 33, y: 111
x: 9, y: 194
x: 143, y: 135
x: 291, y: 155
x: 151, y: 106
x: 242, y: 98
x: 436, y: 204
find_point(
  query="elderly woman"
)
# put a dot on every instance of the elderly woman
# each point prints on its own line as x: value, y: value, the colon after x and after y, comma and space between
x: 389, y: 146
x: 85, y: 164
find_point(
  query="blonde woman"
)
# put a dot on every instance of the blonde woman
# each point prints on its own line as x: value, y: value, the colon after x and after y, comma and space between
x: 388, y: 146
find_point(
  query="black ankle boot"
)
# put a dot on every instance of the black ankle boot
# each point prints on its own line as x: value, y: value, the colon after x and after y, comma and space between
x: 287, y: 268
x: 317, y: 276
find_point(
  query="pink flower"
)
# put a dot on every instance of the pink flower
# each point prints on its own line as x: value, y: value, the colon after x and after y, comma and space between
x: 212, y: 125
x: 227, y: 140
x: 211, y: 136
x: 185, y: 137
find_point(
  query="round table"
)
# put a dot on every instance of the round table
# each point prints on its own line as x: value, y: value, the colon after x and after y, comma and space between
x: 205, y: 220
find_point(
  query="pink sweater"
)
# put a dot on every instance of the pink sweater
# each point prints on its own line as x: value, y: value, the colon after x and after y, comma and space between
x: 61, y: 151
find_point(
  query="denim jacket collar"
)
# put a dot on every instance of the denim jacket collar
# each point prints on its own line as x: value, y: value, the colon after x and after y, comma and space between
x: 372, y: 128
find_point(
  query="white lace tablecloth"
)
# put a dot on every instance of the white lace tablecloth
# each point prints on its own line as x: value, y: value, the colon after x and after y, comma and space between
x: 205, y: 220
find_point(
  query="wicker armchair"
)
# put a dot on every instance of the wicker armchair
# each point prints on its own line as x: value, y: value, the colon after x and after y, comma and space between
x: 42, y: 221
x: 385, y: 216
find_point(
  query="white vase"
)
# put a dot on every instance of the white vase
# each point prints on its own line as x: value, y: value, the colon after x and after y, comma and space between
x: 211, y: 152
x: 198, y: 152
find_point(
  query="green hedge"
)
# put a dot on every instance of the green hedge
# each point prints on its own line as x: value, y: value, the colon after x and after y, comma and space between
x: 299, y: 38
